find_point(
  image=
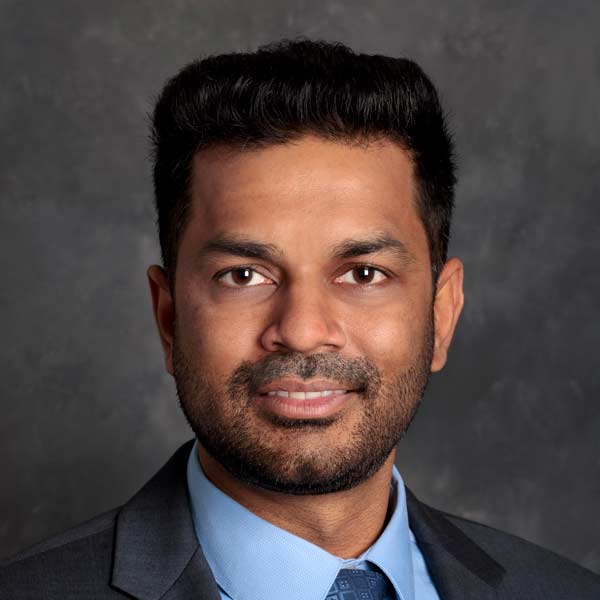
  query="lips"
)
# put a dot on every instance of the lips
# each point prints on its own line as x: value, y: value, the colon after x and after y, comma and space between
x: 294, y: 388
x: 304, y: 395
x: 295, y: 399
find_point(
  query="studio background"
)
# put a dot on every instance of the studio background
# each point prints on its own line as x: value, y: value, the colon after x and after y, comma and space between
x: 509, y: 431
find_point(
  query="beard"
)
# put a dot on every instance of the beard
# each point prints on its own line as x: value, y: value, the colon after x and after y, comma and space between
x: 296, y: 456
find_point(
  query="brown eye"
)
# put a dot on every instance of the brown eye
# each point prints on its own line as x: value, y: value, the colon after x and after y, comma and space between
x: 243, y: 277
x: 362, y: 275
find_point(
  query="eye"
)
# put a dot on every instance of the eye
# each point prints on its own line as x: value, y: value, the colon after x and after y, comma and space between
x: 242, y: 277
x: 362, y: 275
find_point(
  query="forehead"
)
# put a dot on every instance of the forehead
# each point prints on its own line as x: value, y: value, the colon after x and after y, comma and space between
x: 308, y: 187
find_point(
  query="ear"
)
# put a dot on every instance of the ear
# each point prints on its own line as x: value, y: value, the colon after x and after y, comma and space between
x: 164, y: 310
x: 447, y: 306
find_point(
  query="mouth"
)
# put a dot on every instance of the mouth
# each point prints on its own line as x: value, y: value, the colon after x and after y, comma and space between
x: 305, y: 395
x: 305, y: 405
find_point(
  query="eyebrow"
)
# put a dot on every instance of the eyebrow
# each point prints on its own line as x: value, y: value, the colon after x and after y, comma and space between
x: 350, y: 248
x: 380, y: 242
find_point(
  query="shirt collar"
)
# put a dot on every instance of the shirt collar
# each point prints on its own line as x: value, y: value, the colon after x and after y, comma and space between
x: 253, y: 559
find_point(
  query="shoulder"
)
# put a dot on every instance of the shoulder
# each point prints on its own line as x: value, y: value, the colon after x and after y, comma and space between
x: 74, y: 563
x: 543, y: 572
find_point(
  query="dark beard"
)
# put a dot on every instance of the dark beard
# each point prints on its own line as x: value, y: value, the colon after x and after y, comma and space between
x: 218, y: 415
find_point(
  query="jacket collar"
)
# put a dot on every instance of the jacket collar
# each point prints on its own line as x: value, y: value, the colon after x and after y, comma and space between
x: 157, y: 555
x: 458, y: 566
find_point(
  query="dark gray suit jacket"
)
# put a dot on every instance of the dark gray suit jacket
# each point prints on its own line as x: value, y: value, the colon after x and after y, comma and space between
x: 147, y: 549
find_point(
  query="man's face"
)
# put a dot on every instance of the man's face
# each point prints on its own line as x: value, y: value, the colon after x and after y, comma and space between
x: 304, y: 267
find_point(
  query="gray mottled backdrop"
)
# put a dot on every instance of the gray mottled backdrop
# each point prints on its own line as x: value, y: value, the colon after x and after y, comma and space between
x: 509, y: 432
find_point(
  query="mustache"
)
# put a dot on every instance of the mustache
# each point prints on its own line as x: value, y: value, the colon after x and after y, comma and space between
x: 358, y: 373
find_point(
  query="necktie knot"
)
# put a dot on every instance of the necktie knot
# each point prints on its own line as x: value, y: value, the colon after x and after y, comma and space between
x: 357, y: 584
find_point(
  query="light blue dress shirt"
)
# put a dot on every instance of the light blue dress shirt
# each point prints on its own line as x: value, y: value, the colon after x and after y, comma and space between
x: 253, y: 559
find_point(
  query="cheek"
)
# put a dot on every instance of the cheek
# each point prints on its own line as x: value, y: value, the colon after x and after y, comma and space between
x: 391, y: 336
x: 218, y: 340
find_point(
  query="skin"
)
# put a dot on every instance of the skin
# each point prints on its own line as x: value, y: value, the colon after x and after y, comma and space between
x: 303, y: 197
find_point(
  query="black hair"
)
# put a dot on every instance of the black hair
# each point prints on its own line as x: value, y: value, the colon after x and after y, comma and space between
x: 288, y: 89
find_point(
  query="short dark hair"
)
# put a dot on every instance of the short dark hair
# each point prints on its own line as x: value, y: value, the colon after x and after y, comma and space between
x: 288, y: 89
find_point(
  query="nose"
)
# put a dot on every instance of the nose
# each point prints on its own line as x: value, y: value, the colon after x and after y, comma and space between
x: 303, y: 320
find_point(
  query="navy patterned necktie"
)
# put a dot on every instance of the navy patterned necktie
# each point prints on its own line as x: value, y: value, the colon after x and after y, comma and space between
x: 356, y: 584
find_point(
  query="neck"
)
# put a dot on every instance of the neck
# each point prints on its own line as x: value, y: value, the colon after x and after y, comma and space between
x: 343, y: 523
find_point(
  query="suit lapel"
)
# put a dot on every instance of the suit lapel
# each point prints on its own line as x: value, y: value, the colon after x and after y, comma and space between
x: 459, y: 568
x: 157, y: 554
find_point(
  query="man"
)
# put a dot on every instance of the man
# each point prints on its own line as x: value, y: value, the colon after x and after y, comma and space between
x: 304, y: 196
